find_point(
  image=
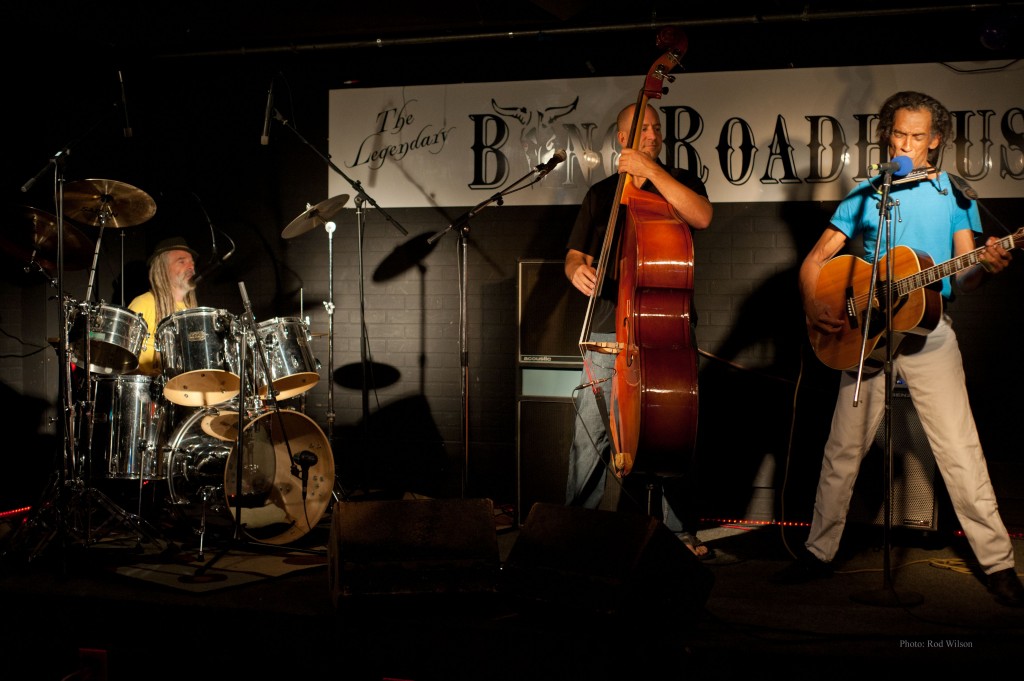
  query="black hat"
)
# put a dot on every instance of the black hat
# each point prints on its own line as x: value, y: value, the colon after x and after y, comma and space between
x: 175, y: 243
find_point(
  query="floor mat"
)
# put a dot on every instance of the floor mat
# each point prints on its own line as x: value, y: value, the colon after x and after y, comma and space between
x: 222, y: 569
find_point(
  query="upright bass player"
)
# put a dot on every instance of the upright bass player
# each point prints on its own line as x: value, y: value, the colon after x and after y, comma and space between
x: 590, y: 452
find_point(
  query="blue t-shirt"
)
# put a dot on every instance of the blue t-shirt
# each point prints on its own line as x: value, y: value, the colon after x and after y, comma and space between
x: 925, y: 216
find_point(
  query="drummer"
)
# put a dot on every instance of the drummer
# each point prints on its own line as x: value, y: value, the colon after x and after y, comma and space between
x: 171, y: 289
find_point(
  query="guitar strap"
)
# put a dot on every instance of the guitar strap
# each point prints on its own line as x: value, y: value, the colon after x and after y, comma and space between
x: 962, y: 187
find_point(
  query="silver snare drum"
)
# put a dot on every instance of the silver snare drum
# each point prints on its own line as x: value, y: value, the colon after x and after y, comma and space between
x: 293, y: 369
x: 199, y: 355
x: 116, y: 337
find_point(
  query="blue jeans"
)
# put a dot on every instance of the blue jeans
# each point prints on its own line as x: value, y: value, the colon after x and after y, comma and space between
x: 591, y: 443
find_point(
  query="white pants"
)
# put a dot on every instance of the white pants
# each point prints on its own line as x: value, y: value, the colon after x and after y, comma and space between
x: 936, y: 382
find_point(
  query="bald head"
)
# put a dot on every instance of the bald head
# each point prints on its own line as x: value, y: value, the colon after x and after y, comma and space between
x: 648, y: 131
x: 625, y: 118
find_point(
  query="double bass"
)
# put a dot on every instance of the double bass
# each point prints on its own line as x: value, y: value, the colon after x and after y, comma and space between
x: 653, y: 407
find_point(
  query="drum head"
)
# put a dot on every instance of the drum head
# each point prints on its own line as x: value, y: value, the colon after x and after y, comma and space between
x: 222, y: 425
x: 202, y: 388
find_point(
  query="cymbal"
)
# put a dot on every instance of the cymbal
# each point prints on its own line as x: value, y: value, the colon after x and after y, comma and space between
x: 107, y: 203
x: 320, y: 214
x: 34, y: 238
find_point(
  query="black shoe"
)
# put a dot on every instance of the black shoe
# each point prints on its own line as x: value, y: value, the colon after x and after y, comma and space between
x: 1006, y: 587
x: 806, y: 568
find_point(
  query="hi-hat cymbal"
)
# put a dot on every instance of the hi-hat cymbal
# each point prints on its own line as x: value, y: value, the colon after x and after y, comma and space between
x: 319, y: 214
x: 33, y: 237
x: 107, y: 203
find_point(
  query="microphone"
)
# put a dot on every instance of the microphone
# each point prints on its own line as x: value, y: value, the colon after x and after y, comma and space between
x: 591, y: 384
x: 213, y: 266
x: 124, y: 106
x: 265, y: 138
x: 901, y: 165
x: 545, y: 168
x: 307, y: 460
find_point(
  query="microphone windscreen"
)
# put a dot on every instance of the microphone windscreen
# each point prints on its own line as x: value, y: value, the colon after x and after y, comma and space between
x: 905, y: 165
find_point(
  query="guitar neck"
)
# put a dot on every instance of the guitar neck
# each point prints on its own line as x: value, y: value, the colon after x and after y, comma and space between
x: 938, y: 272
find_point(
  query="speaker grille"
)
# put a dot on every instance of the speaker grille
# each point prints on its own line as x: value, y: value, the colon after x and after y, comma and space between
x: 545, y: 435
x: 913, y: 471
x: 551, y: 314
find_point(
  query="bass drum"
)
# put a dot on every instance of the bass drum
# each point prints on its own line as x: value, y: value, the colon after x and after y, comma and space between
x: 280, y: 502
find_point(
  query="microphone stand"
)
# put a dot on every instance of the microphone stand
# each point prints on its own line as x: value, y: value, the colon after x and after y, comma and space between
x: 462, y: 224
x: 886, y: 595
x: 360, y: 197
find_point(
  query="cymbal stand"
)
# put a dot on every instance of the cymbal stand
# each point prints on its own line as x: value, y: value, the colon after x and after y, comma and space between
x: 462, y: 224
x: 330, y: 228
x: 886, y: 595
x: 65, y: 509
x: 48, y: 520
x: 86, y: 493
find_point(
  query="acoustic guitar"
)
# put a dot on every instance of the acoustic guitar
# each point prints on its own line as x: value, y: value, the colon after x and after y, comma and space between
x: 845, y: 282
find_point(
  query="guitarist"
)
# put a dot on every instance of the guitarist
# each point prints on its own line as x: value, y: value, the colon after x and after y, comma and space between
x: 933, y: 216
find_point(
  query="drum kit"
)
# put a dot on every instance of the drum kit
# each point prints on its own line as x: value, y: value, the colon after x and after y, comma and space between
x: 209, y: 426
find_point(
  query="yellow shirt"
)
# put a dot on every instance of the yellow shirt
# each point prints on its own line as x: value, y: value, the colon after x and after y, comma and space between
x: 149, y: 359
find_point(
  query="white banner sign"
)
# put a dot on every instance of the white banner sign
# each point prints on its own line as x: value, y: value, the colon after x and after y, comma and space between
x: 787, y: 135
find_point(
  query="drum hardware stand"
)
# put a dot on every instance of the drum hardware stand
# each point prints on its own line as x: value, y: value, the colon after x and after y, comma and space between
x: 360, y: 197
x: 886, y: 595
x: 88, y: 491
x: 69, y: 496
x: 303, y: 460
x: 53, y: 500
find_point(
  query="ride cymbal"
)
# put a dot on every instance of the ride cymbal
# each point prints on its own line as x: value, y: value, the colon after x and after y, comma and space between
x: 34, y: 239
x: 107, y: 203
x: 319, y: 214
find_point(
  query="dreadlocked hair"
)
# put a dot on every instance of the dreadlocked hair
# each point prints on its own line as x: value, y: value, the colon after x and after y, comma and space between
x: 163, y: 291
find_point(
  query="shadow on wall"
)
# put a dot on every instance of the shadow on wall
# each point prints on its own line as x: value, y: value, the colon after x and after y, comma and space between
x: 398, y: 449
x: 28, y: 465
x: 780, y: 409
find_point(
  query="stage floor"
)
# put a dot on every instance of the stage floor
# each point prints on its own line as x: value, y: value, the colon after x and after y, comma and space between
x: 73, y: 599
